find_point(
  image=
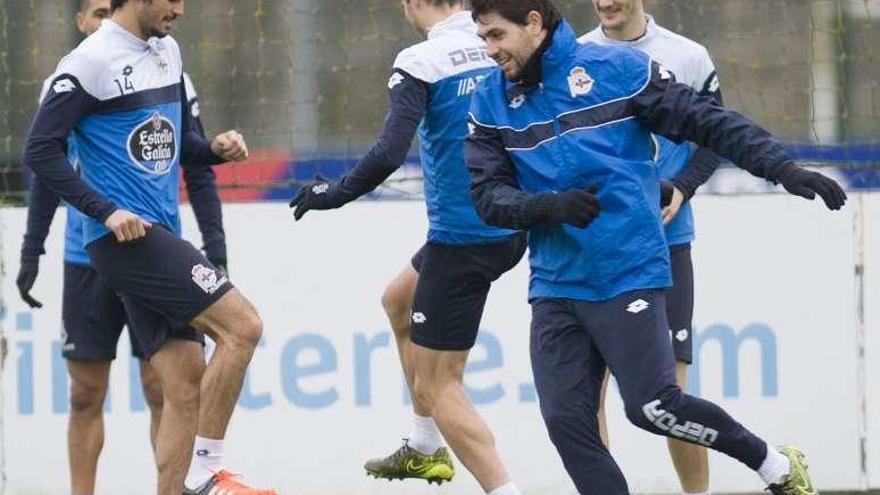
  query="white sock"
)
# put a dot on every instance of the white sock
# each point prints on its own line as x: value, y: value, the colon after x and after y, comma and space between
x: 508, y: 488
x: 774, y: 467
x: 207, y: 459
x: 425, y: 436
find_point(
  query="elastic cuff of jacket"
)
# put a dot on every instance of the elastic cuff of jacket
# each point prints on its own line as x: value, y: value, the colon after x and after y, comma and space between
x: 337, y: 196
x: 685, y: 189
x: 105, y: 212
x: 31, y: 255
x: 214, y: 158
x: 539, y: 209
x: 203, y: 154
x: 785, y: 170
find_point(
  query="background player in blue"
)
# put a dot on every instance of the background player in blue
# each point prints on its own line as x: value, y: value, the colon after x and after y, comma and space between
x: 435, y: 304
x: 560, y: 144
x: 683, y: 169
x: 120, y: 95
x: 93, y: 315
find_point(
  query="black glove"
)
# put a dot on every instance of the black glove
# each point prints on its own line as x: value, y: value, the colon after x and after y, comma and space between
x: 667, y: 188
x: 27, y: 275
x: 807, y: 184
x: 318, y: 194
x: 576, y: 207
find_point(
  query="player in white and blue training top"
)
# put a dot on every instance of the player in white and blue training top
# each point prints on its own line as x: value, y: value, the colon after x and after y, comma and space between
x: 93, y: 316
x: 435, y: 304
x: 561, y: 144
x: 120, y: 96
x: 682, y: 168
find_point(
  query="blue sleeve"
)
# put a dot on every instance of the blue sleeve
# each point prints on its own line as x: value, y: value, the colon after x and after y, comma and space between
x: 704, y: 161
x: 195, y: 149
x: 201, y: 187
x: 498, y: 199
x: 45, y: 149
x: 677, y: 112
x: 42, y: 204
x: 407, y: 102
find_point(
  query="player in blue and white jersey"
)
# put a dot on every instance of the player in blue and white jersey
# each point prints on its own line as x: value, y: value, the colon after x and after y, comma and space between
x: 93, y: 316
x: 682, y: 168
x: 561, y: 144
x: 120, y: 96
x: 435, y: 304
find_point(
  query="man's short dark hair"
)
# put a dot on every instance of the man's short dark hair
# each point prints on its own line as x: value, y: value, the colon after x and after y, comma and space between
x: 115, y: 4
x: 517, y: 11
x: 451, y: 3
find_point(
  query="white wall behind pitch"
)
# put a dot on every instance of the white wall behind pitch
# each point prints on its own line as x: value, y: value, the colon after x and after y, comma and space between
x: 779, y: 262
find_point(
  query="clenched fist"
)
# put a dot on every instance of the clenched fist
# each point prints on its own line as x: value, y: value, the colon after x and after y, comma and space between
x: 230, y: 146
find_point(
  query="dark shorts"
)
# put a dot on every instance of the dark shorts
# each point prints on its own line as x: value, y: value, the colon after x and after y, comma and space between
x: 92, y: 317
x: 453, y: 285
x: 680, y: 302
x: 163, y: 281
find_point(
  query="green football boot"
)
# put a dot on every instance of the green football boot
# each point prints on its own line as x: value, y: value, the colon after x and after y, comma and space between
x: 797, y: 481
x: 408, y: 462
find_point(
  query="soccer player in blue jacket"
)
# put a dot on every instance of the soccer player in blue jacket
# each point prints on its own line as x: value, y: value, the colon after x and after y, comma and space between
x: 93, y: 316
x: 435, y: 304
x: 120, y: 97
x: 560, y: 144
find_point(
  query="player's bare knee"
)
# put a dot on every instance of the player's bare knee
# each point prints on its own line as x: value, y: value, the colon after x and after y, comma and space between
x: 183, y: 395
x: 153, y: 394
x: 389, y: 301
x: 151, y: 386
x: 248, y: 330
x: 87, y: 398
x: 182, y: 392
x: 396, y: 308
x: 239, y: 333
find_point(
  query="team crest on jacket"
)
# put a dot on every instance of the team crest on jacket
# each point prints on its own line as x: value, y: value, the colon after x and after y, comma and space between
x: 152, y: 145
x: 579, y: 82
x: 517, y: 101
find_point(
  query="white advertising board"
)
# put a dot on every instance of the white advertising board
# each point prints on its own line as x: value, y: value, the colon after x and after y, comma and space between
x: 775, y: 336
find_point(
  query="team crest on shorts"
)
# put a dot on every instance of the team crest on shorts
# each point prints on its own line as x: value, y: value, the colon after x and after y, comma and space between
x: 207, y: 279
x: 152, y: 145
x: 579, y: 82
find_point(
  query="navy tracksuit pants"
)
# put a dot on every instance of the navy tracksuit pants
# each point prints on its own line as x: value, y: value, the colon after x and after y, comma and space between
x: 572, y: 342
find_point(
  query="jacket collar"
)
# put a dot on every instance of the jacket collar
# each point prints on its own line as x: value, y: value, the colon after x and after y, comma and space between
x: 124, y: 35
x: 554, y: 51
x: 153, y: 44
